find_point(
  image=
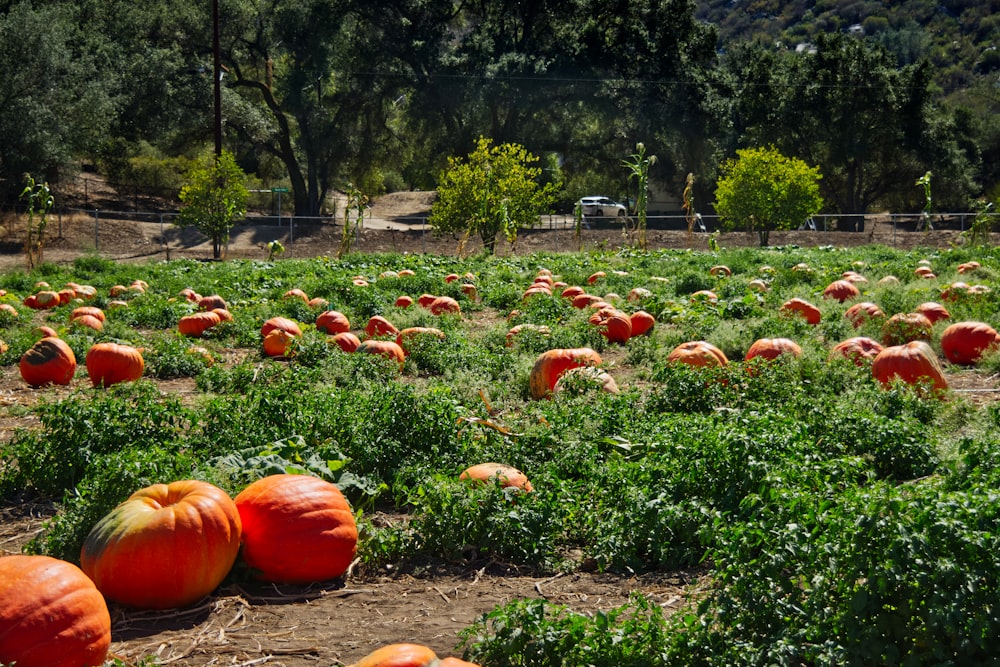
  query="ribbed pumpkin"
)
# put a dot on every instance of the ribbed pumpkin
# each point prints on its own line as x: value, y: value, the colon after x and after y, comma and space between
x: 283, y: 323
x: 379, y: 326
x: 933, y: 311
x: 966, y: 342
x: 802, y: 308
x: 550, y: 365
x: 408, y: 655
x: 276, y: 343
x: 858, y: 349
x: 166, y: 546
x: 642, y: 322
x: 93, y: 311
x: 841, y: 290
x: 196, y: 324
x: 297, y: 529
x: 698, y: 353
x: 51, y: 614
x: 504, y: 475
x: 445, y: 305
x: 386, y: 348
x: 211, y: 302
x: 111, y: 363
x: 615, y: 325
x: 913, y: 363
x: 333, y: 322
x: 905, y: 327
x: 861, y: 312
x: 772, y: 348
x: 48, y: 361
x: 346, y: 341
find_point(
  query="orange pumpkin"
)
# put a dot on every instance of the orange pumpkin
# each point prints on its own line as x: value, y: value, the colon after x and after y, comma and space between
x: 425, y: 300
x: 586, y: 377
x: 550, y: 365
x: 913, y: 363
x: 406, y: 337
x: 451, y: 277
x: 212, y: 302
x: 504, y: 475
x: 333, y: 322
x: 379, y: 326
x: 48, y: 361
x: 276, y: 343
x: 88, y: 321
x: 346, y: 341
x: 933, y: 311
x: 582, y: 301
x: 224, y: 315
x: 594, y: 277
x: 514, y: 331
x: 637, y: 294
x: 46, y: 299
x: 296, y: 293
x: 572, y: 292
x: 93, y: 311
x: 861, y: 312
x: 404, y: 301
x: 704, y: 296
x: 642, y: 322
x: 841, y: 290
x: 966, y: 342
x: 698, y: 353
x: 445, y: 305
x: 45, y: 332
x: 289, y: 326
x: 386, y: 348
x: 400, y: 655
x: 297, y: 529
x: 615, y: 325
x: 166, y: 546
x: 858, y: 349
x: 721, y: 271
x: 318, y: 303
x: 196, y: 324
x: 802, y: 308
x: 111, y: 363
x: 905, y: 327
x: 772, y: 348
x: 51, y: 614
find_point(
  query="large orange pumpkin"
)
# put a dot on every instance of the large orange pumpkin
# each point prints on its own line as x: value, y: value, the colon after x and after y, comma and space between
x: 283, y: 323
x: 861, y: 312
x: 211, y: 302
x: 333, y: 322
x: 698, y: 353
x: 913, y: 362
x: 445, y: 305
x: 615, y: 325
x: 858, y: 349
x: 386, y: 348
x: 47, y: 299
x: 297, y: 529
x: 111, y: 363
x: 966, y: 342
x: 408, y: 655
x: 51, y: 614
x: 841, y: 290
x: 166, y: 546
x: 196, y: 324
x: 550, y: 365
x: 276, y: 343
x: 642, y: 322
x: 379, y: 326
x: 802, y: 308
x: 905, y: 327
x: 346, y: 341
x: 772, y: 348
x: 48, y: 361
x: 933, y: 311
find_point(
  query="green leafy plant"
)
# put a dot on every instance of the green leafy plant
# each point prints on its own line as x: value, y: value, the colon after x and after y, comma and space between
x: 40, y: 201
x: 214, y: 198
x: 638, y: 165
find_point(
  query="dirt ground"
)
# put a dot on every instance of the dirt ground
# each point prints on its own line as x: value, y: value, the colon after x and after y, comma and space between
x: 340, y: 622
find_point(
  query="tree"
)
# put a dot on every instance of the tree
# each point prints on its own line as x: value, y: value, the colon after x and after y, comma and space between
x: 765, y: 190
x: 214, y: 198
x: 494, y: 190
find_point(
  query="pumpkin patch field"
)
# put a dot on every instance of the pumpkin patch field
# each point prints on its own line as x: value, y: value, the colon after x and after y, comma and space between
x: 780, y: 456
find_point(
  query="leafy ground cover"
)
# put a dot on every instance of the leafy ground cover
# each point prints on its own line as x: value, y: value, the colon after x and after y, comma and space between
x: 829, y: 520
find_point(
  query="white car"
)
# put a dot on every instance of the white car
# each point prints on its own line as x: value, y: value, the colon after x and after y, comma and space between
x: 602, y: 207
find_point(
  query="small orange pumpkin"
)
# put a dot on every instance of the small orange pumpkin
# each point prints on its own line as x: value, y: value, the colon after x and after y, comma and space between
x: 858, y: 349
x: 88, y: 321
x: 861, y: 312
x: 514, y: 331
x: 196, y: 324
x: 841, y: 290
x: 93, y: 311
x: 386, y: 348
x: 933, y: 311
x: 404, y: 301
x: 772, y: 348
x: 504, y: 475
x: 615, y: 325
x: 296, y: 293
x: 333, y: 322
x: 379, y: 326
x: 289, y: 326
x: 445, y: 305
x: 642, y: 322
x: 802, y: 308
x: 698, y: 353
x: 212, y: 302
x: 346, y: 341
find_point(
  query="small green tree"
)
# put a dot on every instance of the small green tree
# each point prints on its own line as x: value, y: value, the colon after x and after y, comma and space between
x: 214, y: 198
x: 764, y: 190
x: 495, y: 190
x: 40, y: 201
x: 638, y: 165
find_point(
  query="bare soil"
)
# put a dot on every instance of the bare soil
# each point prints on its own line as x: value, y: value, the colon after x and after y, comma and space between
x: 341, y: 621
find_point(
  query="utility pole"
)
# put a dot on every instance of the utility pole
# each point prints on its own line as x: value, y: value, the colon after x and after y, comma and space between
x: 217, y: 74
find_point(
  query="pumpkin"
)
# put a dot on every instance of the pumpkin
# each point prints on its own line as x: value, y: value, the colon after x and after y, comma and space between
x: 637, y: 294
x: 48, y: 361
x: 404, y: 301
x: 582, y: 378
x: 276, y: 343
x: 594, y: 277
x: 425, y: 300
x: 51, y: 614
x: 9, y: 309
x: 933, y: 311
x: 954, y: 291
x: 31, y: 301
x: 93, y: 311
x: 642, y: 322
x: 772, y: 348
x: 46, y: 299
x: 346, y: 341
x: 470, y: 291
x: 190, y: 295
x: 705, y: 296
x: 379, y: 326
x: 111, y: 363
x: 318, y: 303
x: 166, y: 546
x: 451, y: 277
x: 196, y: 324
x: 841, y: 290
x: 118, y: 290
x: 407, y: 655
x: 45, y: 332
x: 858, y: 349
x: 359, y: 282
x: 912, y: 363
x: 224, y: 315
x: 296, y: 293
x: 514, y: 331
x: 117, y: 303
x: 407, y: 272
x: 538, y: 289
x: 289, y: 326
x: 550, y: 365
x: 758, y: 285
x: 88, y: 321
x: 803, y: 308
x: 888, y: 280
x: 212, y: 302
x: 386, y: 348
x: 615, y: 325
x: 582, y: 301
x: 861, y: 312
x: 905, y: 327
x: 698, y: 353
x: 572, y: 291
x: 406, y: 337
x: 966, y: 342
x: 297, y: 529
x: 333, y: 322
x: 965, y: 267
x: 65, y: 296
x: 504, y: 475
x: 721, y: 271
x: 445, y: 305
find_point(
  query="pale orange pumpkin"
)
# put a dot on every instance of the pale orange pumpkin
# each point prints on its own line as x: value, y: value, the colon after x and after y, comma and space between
x: 698, y: 353
x: 504, y: 475
x: 514, y: 331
